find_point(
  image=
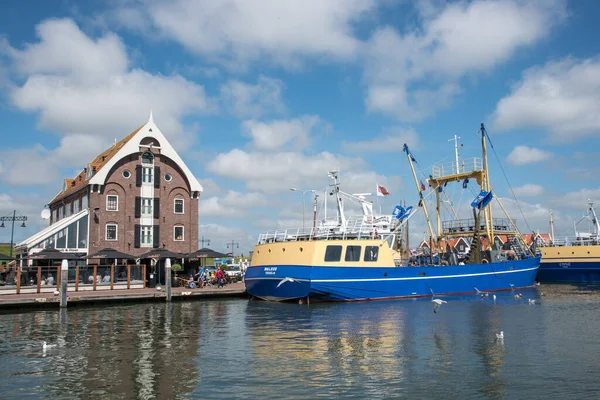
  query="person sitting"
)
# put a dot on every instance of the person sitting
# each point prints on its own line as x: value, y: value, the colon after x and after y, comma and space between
x: 91, y: 279
x: 98, y: 279
x: 191, y: 285
x: 106, y: 278
x: 50, y: 280
x: 43, y: 281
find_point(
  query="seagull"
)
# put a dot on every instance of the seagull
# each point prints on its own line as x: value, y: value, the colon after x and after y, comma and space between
x: 158, y: 288
x: 186, y: 293
x: 56, y: 292
x: 537, y: 284
x: 542, y: 294
x: 518, y: 296
x: 500, y: 335
x: 284, y: 280
x: 531, y: 301
x: 512, y: 285
x: 494, y: 298
x: 438, y: 303
x: 47, y: 346
x: 479, y: 292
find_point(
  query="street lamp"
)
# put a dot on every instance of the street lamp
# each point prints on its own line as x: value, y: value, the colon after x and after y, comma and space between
x: 303, y: 203
x: 13, y: 218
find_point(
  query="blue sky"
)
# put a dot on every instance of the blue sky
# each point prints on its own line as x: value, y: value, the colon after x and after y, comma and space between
x: 262, y: 96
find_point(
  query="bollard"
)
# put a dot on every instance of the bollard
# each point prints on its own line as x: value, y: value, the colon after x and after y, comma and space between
x: 64, y: 282
x: 168, y: 278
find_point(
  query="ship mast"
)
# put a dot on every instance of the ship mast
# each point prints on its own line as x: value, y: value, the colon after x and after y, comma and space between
x: 551, y: 226
x: 421, y: 199
x: 595, y: 219
x: 485, y: 186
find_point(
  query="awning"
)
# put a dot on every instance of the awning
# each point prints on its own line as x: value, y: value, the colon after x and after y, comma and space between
x: 51, y: 230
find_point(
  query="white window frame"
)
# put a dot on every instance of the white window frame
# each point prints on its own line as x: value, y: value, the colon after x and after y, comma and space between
x: 84, y: 202
x: 150, y: 236
x: 149, y: 207
x: 147, y: 175
x: 175, y: 206
x: 117, y: 202
x: 182, y: 233
x: 116, y: 233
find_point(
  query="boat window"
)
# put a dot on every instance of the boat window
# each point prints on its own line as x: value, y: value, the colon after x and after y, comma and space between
x: 333, y: 253
x: 353, y: 253
x: 371, y: 253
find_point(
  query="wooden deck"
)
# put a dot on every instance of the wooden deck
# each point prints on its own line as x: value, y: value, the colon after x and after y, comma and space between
x: 49, y: 300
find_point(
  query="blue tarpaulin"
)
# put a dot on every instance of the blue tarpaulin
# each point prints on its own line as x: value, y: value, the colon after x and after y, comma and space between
x: 482, y: 200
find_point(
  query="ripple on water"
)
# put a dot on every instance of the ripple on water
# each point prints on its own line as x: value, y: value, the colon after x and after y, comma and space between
x: 253, y: 349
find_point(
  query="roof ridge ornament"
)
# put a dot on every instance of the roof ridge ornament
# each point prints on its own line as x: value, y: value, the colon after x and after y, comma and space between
x: 151, y: 119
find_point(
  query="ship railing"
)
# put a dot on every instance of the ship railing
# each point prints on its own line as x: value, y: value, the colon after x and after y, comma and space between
x: 359, y: 227
x: 468, y: 226
x: 575, y: 241
x: 450, y: 168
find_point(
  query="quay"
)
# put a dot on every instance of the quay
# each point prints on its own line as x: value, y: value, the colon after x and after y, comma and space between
x: 49, y: 300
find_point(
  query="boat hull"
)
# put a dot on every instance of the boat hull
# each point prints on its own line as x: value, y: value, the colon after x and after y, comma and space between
x: 569, y: 272
x: 339, y: 283
x: 570, y: 264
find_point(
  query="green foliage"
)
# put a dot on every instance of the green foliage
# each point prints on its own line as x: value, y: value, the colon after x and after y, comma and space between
x: 5, y: 249
x: 176, y: 267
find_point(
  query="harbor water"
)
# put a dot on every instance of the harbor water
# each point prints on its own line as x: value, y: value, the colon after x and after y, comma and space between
x: 254, y: 349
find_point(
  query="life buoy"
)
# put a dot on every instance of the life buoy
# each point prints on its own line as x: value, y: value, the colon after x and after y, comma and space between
x: 484, y: 261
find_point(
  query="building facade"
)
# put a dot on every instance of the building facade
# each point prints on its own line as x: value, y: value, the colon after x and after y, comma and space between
x: 133, y: 197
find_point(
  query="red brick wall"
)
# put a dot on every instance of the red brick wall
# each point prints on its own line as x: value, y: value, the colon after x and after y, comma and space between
x: 127, y: 191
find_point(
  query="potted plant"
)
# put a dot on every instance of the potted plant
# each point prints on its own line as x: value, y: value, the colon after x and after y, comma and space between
x: 175, y: 268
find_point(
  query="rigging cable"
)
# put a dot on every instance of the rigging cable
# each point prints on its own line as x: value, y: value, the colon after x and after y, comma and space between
x: 506, y: 178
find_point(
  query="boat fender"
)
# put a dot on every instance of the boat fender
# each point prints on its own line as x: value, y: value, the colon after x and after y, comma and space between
x: 484, y: 261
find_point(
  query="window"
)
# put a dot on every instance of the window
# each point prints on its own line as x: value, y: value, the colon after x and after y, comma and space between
x: 126, y: 174
x: 60, y: 212
x: 146, y: 236
x: 333, y: 253
x: 371, y: 253
x: 84, y: 202
x: 178, y: 206
x: 168, y: 177
x: 112, y: 202
x: 147, y: 158
x: 147, y: 207
x: 352, y: 253
x: 111, y: 231
x: 178, y: 234
x: 76, y: 206
x: 67, y: 209
x: 147, y: 175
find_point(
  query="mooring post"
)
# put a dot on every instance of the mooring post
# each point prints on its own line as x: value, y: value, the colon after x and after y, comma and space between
x: 168, y: 278
x: 64, y: 282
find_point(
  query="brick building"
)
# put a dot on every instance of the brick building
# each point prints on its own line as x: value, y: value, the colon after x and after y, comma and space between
x: 134, y: 196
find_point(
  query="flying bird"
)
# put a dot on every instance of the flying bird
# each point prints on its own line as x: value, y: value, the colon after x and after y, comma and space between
x: 500, y: 335
x: 437, y: 304
x: 284, y: 280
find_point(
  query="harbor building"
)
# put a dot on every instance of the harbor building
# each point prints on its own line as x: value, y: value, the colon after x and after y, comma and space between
x: 134, y: 196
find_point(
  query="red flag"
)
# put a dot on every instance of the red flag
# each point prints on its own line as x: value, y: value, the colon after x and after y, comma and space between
x: 422, y: 185
x: 381, y: 191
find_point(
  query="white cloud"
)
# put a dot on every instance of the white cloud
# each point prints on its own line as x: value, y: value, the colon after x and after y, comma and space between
x: 276, y: 134
x: 232, y: 205
x: 577, y: 201
x: 221, y: 237
x: 246, y: 100
x: 81, y: 85
x: 450, y: 43
x: 522, y: 155
x: 529, y: 190
x: 561, y: 97
x: 392, y: 140
x: 278, y: 171
x: 236, y: 32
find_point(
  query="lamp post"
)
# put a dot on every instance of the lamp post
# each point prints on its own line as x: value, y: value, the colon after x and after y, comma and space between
x: 233, y: 244
x: 303, y: 203
x: 13, y: 218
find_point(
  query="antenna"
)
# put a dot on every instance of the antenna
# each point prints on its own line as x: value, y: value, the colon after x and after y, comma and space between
x: 45, y: 214
x: 456, y: 147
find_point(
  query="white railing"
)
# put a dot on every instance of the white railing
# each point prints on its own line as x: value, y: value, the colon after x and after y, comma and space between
x: 575, y: 241
x: 465, y: 165
x: 358, y: 227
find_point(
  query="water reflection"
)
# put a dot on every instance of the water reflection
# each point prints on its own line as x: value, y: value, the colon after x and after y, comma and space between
x: 253, y: 349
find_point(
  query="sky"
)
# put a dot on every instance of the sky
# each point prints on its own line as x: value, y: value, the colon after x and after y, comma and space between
x: 262, y: 96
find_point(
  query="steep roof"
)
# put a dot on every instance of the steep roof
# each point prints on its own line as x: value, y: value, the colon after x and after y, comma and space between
x: 82, y: 179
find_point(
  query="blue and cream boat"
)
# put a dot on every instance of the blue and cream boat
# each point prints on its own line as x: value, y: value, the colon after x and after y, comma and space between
x: 367, y: 257
x: 575, y: 259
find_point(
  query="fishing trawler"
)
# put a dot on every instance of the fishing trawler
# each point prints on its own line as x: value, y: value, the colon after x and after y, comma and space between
x: 575, y: 259
x: 367, y: 257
